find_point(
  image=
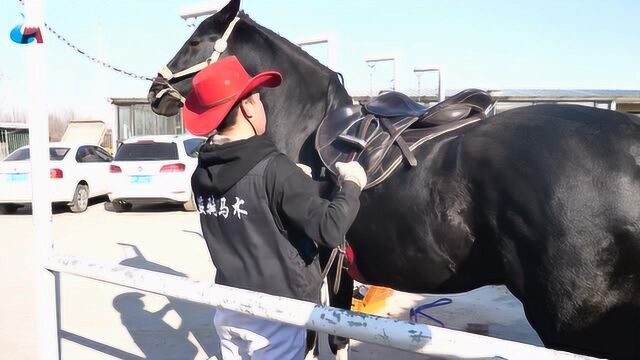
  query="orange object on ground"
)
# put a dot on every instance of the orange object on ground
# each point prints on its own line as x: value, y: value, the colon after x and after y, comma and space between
x: 373, y: 301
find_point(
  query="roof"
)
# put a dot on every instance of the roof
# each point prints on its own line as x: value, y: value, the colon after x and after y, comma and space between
x: 567, y: 93
x: 129, y: 101
x: 64, y: 145
x: 161, y: 138
x: 534, y: 95
x: 4, y: 125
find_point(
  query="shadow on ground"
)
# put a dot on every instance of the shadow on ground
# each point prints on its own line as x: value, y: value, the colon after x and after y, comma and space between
x: 156, y: 338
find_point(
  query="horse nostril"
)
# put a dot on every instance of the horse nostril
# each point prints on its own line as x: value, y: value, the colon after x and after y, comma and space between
x: 151, y: 97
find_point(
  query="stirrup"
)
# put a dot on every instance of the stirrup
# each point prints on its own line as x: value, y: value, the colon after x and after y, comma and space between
x: 354, y: 141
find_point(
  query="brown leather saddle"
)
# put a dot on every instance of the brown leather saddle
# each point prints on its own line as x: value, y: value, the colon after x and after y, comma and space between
x: 386, y: 130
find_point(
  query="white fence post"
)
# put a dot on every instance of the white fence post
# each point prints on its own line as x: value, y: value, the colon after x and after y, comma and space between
x: 38, y: 117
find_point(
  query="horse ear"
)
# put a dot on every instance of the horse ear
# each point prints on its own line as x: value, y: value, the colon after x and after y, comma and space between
x: 230, y: 11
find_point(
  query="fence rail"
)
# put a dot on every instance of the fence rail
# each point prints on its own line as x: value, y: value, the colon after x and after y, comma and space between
x: 403, y: 335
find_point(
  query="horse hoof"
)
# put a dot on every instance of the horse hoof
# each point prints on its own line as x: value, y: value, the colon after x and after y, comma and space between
x: 343, y: 354
x: 311, y: 356
x: 324, y: 293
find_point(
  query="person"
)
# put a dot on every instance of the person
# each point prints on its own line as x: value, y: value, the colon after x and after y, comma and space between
x: 262, y: 217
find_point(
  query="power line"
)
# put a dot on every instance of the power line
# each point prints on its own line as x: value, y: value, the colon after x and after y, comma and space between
x: 90, y: 57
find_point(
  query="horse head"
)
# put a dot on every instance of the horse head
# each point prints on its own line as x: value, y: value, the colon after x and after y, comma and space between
x: 173, y: 83
x: 294, y: 110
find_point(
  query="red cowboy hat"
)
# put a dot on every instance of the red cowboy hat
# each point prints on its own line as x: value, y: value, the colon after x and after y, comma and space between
x: 216, y: 89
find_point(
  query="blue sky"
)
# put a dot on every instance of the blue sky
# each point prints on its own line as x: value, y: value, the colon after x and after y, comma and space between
x: 491, y: 44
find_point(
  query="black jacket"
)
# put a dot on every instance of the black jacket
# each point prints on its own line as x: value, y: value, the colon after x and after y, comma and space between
x: 262, y: 217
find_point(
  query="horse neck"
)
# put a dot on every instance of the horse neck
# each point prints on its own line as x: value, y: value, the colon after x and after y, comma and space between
x: 309, y: 90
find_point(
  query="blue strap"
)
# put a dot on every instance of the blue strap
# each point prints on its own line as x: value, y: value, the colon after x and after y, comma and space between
x: 418, y: 310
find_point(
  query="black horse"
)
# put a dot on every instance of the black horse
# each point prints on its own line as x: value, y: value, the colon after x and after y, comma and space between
x: 544, y: 199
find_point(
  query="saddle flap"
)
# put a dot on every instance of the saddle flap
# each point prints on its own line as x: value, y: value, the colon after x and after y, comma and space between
x: 336, y: 123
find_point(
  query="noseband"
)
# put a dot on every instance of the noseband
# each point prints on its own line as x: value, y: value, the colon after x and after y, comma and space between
x: 169, y: 77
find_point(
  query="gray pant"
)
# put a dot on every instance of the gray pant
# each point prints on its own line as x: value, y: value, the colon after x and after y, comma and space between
x: 246, y: 337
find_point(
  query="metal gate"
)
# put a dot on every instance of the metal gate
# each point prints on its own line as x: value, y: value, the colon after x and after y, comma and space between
x: 11, y: 140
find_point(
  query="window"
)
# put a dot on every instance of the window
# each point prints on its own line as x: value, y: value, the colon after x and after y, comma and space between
x: 55, y: 154
x: 87, y: 154
x: 147, y: 151
x: 192, y: 146
x: 104, y: 156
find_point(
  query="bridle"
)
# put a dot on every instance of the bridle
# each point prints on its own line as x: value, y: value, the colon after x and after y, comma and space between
x: 169, y: 77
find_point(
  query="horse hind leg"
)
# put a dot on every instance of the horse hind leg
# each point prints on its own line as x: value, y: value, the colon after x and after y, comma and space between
x: 343, y: 353
x: 312, y: 346
x: 610, y: 326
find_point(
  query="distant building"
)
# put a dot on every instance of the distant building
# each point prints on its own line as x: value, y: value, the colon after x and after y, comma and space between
x: 135, y: 118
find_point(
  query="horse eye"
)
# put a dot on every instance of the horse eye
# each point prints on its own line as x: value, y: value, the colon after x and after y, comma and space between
x: 194, y: 42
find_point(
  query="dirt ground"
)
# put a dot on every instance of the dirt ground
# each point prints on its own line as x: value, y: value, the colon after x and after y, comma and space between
x: 104, y: 321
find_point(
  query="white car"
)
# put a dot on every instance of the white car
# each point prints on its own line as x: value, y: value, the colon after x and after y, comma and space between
x: 154, y: 169
x: 77, y: 172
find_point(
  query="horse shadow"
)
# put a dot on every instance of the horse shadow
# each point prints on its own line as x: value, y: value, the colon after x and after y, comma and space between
x: 156, y: 338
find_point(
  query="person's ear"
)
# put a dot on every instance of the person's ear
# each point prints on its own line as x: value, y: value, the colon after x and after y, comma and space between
x: 246, y: 106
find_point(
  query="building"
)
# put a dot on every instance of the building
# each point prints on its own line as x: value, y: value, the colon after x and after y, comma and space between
x: 135, y: 118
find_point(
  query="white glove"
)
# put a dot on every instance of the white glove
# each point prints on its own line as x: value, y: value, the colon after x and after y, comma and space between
x: 352, y: 171
x: 305, y: 169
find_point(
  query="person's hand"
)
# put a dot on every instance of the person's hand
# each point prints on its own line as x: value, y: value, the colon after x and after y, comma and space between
x: 305, y: 169
x: 352, y: 171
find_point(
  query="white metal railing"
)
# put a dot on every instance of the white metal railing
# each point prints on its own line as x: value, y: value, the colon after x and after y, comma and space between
x: 403, y: 335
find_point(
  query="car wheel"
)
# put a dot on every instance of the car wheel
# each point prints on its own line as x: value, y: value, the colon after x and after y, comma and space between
x: 8, y: 208
x: 119, y: 206
x: 190, y: 205
x: 80, y: 199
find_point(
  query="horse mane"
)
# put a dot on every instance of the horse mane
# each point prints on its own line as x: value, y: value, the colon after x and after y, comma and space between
x: 293, y: 49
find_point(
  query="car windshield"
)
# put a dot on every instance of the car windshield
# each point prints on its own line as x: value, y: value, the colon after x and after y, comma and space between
x: 192, y: 146
x: 147, y: 151
x: 55, y: 154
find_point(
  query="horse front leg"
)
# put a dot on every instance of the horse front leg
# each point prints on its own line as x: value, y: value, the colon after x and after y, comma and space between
x: 342, y: 299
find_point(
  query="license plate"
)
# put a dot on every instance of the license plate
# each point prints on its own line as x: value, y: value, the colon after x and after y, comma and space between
x: 138, y: 179
x: 17, y: 177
